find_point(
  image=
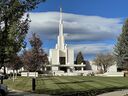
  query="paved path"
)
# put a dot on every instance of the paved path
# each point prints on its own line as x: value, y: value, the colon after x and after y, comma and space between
x: 115, y: 93
x: 20, y: 93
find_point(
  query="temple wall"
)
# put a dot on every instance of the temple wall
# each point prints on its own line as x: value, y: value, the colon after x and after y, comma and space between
x: 70, y: 53
x: 62, y: 53
x: 54, y: 54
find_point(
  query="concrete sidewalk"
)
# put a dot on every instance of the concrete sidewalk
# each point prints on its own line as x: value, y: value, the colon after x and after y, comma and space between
x: 21, y: 93
x: 115, y: 93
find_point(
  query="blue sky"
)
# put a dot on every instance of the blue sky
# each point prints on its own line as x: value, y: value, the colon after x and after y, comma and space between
x: 90, y: 26
x: 105, y: 8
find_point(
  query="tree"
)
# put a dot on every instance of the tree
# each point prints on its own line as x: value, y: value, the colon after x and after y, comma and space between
x: 12, y: 28
x: 35, y: 58
x: 79, y: 58
x: 88, y: 66
x: 15, y: 64
x: 104, y: 61
x: 121, y: 48
x: 28, y: 61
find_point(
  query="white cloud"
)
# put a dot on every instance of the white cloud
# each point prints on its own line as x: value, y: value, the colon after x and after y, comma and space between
x: 92, y: 49
x: 76, y: 27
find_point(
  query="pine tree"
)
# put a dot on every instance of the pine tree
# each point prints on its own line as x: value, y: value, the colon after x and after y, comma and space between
x: 121, y: 48
x: 79, y: 58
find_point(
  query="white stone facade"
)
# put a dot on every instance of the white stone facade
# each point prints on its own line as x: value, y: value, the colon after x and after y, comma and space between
x: 61, y: 58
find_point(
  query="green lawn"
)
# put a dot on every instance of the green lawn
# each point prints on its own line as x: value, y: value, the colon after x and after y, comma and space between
x: 58, y: 85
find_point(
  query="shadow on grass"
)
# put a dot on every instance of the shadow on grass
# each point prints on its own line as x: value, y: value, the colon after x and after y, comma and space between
x: 92, y: 92
x: 74, y: 82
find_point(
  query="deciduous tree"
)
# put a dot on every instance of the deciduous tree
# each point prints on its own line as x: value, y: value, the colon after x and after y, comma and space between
x: 35, y: 58
x: 12, y: 28
x: 15, y: 64
x: 104, y: 61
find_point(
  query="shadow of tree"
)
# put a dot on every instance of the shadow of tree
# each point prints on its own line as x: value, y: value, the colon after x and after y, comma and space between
x: 74, y: 82
x: 92, y: 92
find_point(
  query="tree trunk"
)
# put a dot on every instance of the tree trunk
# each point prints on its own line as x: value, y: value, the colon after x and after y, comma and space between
x: 4, y: 42
x: 16, y: 74
x: 13, y: 76
x: 35, y: 74
x: 4, y: 70
x: 105, y: 68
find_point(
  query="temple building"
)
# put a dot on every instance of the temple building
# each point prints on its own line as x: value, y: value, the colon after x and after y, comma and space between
x: 61, y: 62
x: 61, y: 58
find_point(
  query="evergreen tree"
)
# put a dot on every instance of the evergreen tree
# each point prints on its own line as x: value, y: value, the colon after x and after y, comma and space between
x: 79, y: 58
x: 121, y: 48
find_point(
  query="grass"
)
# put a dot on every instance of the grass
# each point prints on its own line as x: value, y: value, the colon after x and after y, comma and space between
x: 71, y: 84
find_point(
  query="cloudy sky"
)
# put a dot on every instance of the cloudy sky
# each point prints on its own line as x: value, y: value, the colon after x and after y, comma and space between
x: 90, y: 26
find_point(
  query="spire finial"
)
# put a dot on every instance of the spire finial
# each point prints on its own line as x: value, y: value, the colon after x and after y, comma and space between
x: 61, y: 9
x: 61, y: 14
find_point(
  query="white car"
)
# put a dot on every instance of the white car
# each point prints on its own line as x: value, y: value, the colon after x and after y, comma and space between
x: 3, y: 90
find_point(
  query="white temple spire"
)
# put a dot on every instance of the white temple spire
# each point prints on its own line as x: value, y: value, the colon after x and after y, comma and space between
x: 61, y: 35
x: 61, y: 23
x: 61, y: 54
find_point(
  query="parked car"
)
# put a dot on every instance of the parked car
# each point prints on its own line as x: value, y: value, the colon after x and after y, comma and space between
x: 3, y: 90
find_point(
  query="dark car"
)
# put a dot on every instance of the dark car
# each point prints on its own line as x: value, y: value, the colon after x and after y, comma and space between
x: 3, y: 90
